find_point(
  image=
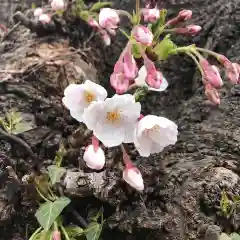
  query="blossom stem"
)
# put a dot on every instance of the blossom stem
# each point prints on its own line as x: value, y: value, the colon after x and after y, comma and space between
x: 196, y: 62
x: 126, y: 158
x: 138, y: 10
x: 125, y: 13
x: 170, y: 30
x: 41, y: 195
x: 95, y: 143
x: 131, y: 87
x: 64, y: 232
x: 35, y: 233
x: 207, y: 51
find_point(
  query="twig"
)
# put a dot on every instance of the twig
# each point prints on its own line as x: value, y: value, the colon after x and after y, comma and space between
x: 83, y: 223
x: 10, y: 32
x: 12, y: 138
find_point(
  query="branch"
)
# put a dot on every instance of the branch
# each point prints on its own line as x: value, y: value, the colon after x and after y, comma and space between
x: 34, y: 26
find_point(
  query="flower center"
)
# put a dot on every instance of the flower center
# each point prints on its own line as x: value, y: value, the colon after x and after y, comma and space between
x: 155, y: 128
x: 113, y: 116
x: 89, y: 97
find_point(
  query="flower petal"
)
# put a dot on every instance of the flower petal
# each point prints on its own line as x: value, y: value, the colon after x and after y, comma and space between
x: 99, y: 91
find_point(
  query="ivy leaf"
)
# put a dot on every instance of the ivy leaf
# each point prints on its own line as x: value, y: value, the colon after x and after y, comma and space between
x: 235, y: 236
x: 55, y: 173
x: 163, y: 49
x: 74, y: 231
x: 97, y: 6
x: 93, y: 231
x: 49, y: 211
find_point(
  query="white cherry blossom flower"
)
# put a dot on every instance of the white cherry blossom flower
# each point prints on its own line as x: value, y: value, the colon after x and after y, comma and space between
x: 141, y: 81
x: 94, y: 158
x: 77, y: 97
x: 153, y: 134
x: 113, y: 121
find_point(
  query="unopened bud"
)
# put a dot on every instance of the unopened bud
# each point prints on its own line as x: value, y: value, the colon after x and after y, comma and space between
x: 44, y: 18
x: 190, y: 29
x: 142, y: 35
x: 94, y: 158
x: 212, y: 94
x: 56, y: 235
x: 150, y: 15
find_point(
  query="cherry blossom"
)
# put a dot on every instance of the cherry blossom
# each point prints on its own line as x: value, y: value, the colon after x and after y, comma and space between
x: 141, y: 81
x: 44, y: 18
x: 113, y: 121
x: 94, y: 158
x: 77, y: 97
x: 133, y: 177
x: 108, y: 19
x: 57, y: 5
x: 153, y: 134
x: 38, y: 12
x: 142, y: 35
x: 150, y: 14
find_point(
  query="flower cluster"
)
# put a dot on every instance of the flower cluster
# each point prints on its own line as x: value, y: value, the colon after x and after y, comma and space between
x: 117, y: 120
x: 44, y: 16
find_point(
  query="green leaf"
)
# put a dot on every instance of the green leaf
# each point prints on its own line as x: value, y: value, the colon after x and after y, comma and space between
x: 74, y: 231
x: 97, y: 6
x: 224, y: 236
x: 21, y: 127
x: 236, y: 198
x: 34, y: 6
x: 140, y: 93
x: 157, y: 26
x: 235, y: 236
x: 225, y: 203
x: 49, y: 211
x: 55, y: 173
x: 135, y: 51
x: 84, y: 15
x: 163, y: 49
x: 93, y: 231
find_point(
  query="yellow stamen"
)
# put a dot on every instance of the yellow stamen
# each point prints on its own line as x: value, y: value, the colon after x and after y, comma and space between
x: 89, y: 97
x: 113, y: 117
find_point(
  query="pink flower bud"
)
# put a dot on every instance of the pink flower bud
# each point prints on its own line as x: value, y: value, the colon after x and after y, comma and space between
x: 211, y: 74
x: 38, y: 12
x: 154, y: 78
x: 190, y: 29
x: 130, y: 68
x: 105, y: 37
x: 142, y: 35
x: 212, y: 94
x: 184, y: 15
x: 44, y: 18
x: 133, y: 177
x: 233, y: 73
x: 56, y: 235
x: 108, y: 18
x: 93, y: 23
x: 57, y: 5
x: 95, y: 159
x: 150, y: 15
x: 119, y: 83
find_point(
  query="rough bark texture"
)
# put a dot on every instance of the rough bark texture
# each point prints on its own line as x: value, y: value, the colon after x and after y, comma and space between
x: 183, y: 184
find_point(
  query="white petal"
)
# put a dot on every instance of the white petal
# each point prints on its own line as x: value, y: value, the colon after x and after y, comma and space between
x: 162, y: 87
x: 94, y: 160
x: 129, y: 133
x: 77, y: 114
x: 142, y: 74
x: 133, y: 178
x: 73, y: 89
x: 143, y: 145
x: 131, y: 112
x: 109, y: 135
x: 146, y: 122
x: 97, y: 89
x: 93, y: 114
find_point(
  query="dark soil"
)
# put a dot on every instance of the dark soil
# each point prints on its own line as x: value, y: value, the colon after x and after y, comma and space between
x: 181, y: 199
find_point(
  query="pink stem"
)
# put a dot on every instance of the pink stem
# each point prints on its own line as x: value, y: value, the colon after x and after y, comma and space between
x: 95, y: 143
